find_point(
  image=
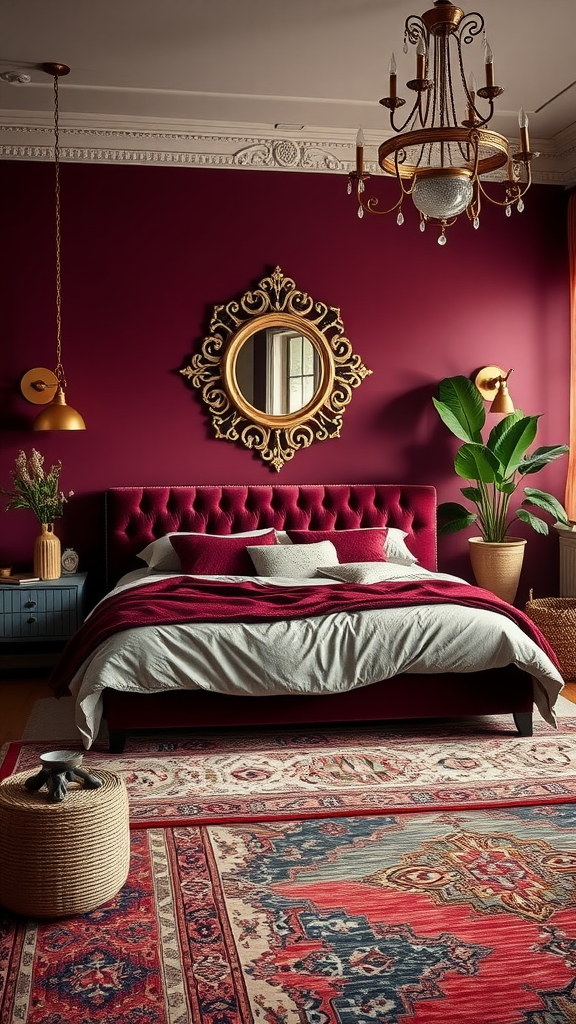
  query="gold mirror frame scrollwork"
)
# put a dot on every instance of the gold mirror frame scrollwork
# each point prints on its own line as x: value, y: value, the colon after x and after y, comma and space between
x: 275, y: 303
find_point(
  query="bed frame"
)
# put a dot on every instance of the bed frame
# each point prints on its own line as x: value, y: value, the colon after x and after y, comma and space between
x: 135, y: 516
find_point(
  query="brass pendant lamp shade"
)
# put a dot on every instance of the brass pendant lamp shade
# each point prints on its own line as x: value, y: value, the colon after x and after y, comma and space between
x: 42, y: 386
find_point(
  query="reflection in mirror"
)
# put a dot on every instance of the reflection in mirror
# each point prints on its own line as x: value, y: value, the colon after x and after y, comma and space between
x: 278, y: 371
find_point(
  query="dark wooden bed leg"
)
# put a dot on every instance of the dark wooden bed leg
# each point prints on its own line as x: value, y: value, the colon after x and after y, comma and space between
x: 116, y: 741
x: 523, y: 720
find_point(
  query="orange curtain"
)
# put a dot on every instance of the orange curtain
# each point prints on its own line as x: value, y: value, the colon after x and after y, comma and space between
x: 571, y: 482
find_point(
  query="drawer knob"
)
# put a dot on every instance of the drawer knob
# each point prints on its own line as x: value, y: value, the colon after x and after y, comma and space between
x: 30, y: 620
x: 30, y: 604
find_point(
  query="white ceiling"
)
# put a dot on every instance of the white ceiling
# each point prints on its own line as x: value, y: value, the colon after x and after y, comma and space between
x: 261, y: 83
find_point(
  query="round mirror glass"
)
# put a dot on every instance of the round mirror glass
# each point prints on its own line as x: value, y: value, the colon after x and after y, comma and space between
x: 278, y: 370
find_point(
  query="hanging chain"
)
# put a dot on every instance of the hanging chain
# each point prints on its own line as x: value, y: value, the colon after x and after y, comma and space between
x: 59, y: 370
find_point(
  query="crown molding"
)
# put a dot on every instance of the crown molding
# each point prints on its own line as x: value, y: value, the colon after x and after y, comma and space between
x: 92, y: 139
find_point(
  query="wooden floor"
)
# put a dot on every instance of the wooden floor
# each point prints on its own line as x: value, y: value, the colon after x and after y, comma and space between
x: 19, y: 694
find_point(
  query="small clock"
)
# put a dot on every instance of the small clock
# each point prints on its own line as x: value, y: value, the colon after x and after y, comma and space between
x: 69, y: 562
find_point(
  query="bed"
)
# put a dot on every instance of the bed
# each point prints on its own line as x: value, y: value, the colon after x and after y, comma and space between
x: 196, y: 674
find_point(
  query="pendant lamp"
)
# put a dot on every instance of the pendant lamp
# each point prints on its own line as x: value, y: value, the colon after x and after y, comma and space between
x: 42, y: 386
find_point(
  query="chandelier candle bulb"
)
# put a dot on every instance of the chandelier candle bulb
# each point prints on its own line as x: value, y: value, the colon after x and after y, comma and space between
x: 489, y: 66
x: 393, y: 79
x: 420, y: 59
x: 360, y: 152
x: 523, y: 123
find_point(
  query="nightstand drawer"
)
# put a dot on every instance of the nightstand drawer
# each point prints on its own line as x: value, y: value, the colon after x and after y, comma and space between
x: 51, y: 610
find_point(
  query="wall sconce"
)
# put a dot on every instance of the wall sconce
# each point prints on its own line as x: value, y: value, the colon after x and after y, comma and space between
x: 492, y: 383
x: 42, y: 386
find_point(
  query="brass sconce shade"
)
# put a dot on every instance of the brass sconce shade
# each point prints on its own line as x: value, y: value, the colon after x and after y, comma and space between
x: 39, y: 385
x: 492, y: 383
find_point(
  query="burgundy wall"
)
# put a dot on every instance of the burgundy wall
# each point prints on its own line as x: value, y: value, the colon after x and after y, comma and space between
x: 147, y: 251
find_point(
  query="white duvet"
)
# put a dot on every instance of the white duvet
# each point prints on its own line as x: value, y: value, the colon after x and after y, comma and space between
x: 327, y: 654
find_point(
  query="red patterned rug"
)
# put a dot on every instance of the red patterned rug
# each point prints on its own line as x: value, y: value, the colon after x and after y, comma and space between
x: 462, y: 917
x: 275, y: 774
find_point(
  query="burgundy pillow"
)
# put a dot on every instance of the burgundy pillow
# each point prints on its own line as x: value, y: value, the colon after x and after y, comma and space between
x: 210, y: 555
x: 351, y: 545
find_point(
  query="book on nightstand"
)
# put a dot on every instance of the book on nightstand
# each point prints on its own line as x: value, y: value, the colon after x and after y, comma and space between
x: 19, y: 579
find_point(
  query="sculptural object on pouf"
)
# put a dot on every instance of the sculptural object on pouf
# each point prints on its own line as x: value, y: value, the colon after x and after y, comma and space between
x: 59, y: 768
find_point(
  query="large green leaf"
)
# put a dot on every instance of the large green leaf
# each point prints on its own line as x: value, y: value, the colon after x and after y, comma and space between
x: 540, y: 457
x: 547, y: 502
x: 534, y: 521
x: 502, y: 428
x: 453, y: 517
x: 472, y: 493
x: 461, y: 408
x: 512, y: 444
x: 476, y: 462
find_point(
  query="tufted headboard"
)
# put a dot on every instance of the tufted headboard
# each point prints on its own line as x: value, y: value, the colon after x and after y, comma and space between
x: 135, y: 516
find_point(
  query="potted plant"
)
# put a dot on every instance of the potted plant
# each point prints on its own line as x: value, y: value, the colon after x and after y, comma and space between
x: 495, y: 469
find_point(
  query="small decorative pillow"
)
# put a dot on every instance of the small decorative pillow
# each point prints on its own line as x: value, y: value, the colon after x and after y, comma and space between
x: 206, y: 554
x: 351, y: 545
x: 297, y: 561
x: 364, y: 572
x: 161, y: 556
x: 395, y: 548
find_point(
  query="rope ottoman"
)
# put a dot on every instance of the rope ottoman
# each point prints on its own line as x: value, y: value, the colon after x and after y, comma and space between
x: 62, y: 858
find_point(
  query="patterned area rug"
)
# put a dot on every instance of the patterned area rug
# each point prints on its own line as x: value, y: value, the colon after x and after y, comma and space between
x: 462, y: 917
x: 274, y: 774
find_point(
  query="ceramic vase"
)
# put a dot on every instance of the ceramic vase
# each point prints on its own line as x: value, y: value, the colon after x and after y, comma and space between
x: 47, y: 554
x: 497, y: 566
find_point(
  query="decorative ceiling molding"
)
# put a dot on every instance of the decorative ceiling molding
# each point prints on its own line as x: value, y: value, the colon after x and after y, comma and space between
x: 255, y: 147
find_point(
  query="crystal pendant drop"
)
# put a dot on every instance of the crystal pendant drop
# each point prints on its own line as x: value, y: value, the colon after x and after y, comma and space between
x: 476, y: 223
x: 442, y: 240
x: 508, y: 211
x: 422, y: 225
x: 361, y: 186
x: 520, y: 206
x: 360, y: 212
x: 349, y: 189
x: 400, y: 219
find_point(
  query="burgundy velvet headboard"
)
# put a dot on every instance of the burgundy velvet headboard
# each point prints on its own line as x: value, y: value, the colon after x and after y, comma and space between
x: 135, y: 516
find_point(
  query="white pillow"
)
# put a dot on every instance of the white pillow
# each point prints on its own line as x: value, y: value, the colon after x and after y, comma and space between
x: 297, y: 561
x: 160, y: 556
x: 394, y: 547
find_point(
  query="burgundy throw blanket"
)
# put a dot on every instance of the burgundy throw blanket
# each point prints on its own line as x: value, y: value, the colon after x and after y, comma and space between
x: 181, y: 599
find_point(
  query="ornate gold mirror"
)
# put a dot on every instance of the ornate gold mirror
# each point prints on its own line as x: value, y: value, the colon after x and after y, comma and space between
x: 275, y: 371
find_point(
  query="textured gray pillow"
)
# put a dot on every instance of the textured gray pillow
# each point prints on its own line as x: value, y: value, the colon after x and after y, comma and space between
x: 362, y: 572
x: 297, y: 561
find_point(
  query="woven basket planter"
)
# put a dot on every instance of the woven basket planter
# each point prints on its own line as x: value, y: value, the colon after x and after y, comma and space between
x: 497, y: 567
x: 556, y: 619
x: 62, y: 858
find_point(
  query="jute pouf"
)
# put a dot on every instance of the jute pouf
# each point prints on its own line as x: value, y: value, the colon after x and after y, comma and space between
x: 62, y: 858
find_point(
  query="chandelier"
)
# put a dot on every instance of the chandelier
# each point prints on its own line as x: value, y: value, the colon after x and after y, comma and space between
x: 443, y: 149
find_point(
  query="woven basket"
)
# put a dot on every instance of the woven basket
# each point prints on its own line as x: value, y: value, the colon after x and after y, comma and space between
x: 62, y: 858
x: 556, y: 619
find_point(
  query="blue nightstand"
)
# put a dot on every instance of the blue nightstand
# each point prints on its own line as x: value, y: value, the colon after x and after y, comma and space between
x: 44, y: 613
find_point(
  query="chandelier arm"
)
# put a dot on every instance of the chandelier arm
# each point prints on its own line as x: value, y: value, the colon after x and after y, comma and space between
x: 463, y: 148
x: 510, y: 200
x: 408, y: 119
x: 473, y: 24
x: 414, y: 29
x: 479, y: 120
x: 369, y: 205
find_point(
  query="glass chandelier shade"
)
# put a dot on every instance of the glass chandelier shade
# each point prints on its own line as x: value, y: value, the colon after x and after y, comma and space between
x: 442, y: 151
